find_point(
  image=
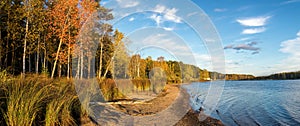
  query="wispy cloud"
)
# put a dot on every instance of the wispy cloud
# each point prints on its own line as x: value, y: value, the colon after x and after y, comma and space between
x: 243, y: 8
x: 292, y: 61
x: 127, y: 3
x: 229, y: 47
x: 254, y: 30
x: 171, y: 15
x: 247, y: 47
x: 131, y: 19
x: 291, y: 46
x: 168, y: 28
x: 191, y: 14
x: 156, y: 18
x: 220, y: 9
x: 256, y: 21
x: 165, y: 14
x: 252, y: 43
x: 289, y: 2
x: 256, y: 52
x: 243, y: 39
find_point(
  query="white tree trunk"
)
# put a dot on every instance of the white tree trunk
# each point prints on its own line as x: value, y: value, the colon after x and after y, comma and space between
x: 81, y: 65
x: 100, y: 64
x: 89, y: 67
x: 25, y: 46
x: 69, y: 53
x: 37, y: 57
x: 56, y: 57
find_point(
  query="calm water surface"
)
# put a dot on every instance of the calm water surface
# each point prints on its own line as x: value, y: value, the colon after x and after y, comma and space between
x: 253, y: 102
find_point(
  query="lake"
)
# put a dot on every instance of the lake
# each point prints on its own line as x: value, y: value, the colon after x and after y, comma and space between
x: 268, y: 103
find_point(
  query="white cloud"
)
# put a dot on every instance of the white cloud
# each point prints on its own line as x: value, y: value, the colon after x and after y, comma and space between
x: 243, y: 39
x: 292, y: 62
x: 191, y: 14
x: 220, y: 9
x: 256, y: 21
x: 291, y: 46
x: 157, y: 19
x: 159, y: 9
x: 289, y: 2
x: 254, y: 30
x: 132, y: 19
x: 167, y: 14
x: 168, y: 28
x: 127, y: 3
x: 171, y: 15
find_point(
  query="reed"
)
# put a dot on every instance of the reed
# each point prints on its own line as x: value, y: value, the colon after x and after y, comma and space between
x: 25, y: 99
x: 37, y: 100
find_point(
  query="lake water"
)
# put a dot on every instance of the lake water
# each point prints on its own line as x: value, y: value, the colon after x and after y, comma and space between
x: 266, y: 103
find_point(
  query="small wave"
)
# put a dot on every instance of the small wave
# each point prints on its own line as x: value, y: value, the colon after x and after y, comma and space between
x: 260, y: 103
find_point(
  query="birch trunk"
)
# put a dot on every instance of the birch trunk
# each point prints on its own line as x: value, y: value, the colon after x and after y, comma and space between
x: 89, y: 67
x: 56, y: 57
x: 69, y: 53
x: 100, y: 64
x: 25, y: 46
x: 37, y: 57
x: 81, y: 65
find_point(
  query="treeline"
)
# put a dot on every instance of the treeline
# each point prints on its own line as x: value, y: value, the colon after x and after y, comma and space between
x: 169, y: 71
x: 58, y: 38
x: 41, y: 36
x: 217, y: 76
x: 239, y: 77
x: 281, y: 76
x: 176, y: 72
x: 70, y: 38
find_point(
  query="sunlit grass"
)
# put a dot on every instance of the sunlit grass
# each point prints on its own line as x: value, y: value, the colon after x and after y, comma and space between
x: 58, y: 110
x: 25, y: 99
x: 36, y: 100
x: 39, y: 100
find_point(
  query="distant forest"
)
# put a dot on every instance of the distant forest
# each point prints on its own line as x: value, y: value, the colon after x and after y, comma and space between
x: 280, y: 76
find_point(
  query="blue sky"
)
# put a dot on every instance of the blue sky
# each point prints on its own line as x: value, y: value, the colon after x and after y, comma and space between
x: 259, y: 37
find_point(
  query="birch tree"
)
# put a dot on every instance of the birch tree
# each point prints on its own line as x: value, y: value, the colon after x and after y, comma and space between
x: 60, y: 22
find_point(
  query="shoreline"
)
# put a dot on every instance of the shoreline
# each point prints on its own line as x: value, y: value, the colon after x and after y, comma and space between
x: 163, y: 100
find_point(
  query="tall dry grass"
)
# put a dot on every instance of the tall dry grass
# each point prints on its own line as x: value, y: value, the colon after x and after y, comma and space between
x: 39, y: 100
x: 59, y: 108
x: 36, y: 100
x: 25, y: 99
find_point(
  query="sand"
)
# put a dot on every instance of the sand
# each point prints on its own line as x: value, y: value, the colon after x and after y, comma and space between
x: 160, y: 103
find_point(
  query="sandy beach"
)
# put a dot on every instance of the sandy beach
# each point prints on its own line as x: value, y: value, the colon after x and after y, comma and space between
x: 160, y: 103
